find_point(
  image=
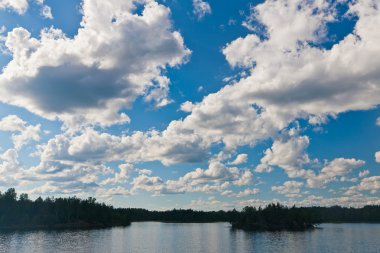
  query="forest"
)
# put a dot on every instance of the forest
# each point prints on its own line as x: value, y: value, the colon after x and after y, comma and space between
x: 20, y: 212
x: 23, y: 213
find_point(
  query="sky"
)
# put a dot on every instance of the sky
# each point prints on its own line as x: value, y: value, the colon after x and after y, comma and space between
x: 191, y: 104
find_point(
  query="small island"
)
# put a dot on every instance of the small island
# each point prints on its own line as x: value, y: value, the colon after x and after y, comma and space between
x: 20, y: 212
x: 274, y: 217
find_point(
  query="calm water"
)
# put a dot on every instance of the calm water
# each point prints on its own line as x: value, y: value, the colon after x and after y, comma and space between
x: 215, y: 237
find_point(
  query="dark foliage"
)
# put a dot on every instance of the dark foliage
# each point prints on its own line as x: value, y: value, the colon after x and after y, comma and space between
x: 181, y: 215
x: 275, y: 217
x: 278, y: 217
x: 56, y: 212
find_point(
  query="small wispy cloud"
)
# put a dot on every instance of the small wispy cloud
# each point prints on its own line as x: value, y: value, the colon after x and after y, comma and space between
x: 201, y: 8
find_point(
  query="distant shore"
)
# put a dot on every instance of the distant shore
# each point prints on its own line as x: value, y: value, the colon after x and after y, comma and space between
x: 21, y: 213
x: 70, y: 226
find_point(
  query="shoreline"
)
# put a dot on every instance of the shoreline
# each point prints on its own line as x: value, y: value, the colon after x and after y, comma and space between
x: 95, y: 226
x: 68, y: 226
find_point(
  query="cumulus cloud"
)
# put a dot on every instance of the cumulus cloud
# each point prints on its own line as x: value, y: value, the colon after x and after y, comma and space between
x: 201, y: 8
x: 364, y: 173
x: 120, y: 177
x: 102, y: 70
x: 371, y: 184
x: 205, y: 204
x: 109, y: 193
x: 288, y: 153
x: 187, y: 106
x: 22, y: 132
x: 240, y: 159
x: 19, y: 6
x: 305, y: 80
x: 148, y: 183
x: 67, y: 157
x: 302, y: 81
x: 61, y: 188
x: 339, y: 167
x: 61, y: 172
x: 169, y: 147
x: 9, y: 166
x: 247, y: 192
x: 216, y: 178
x: 377, y: 157
x: 290, y: 188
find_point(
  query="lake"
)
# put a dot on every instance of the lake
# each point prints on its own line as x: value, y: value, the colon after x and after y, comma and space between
x: 209, y: 237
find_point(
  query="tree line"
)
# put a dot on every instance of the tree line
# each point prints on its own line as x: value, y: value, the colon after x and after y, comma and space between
x: 279, y: 217
x: 69, y: 212
x: 18, y: 212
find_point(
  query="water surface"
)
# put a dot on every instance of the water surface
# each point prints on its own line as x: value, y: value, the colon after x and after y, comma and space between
x: 210, y: 237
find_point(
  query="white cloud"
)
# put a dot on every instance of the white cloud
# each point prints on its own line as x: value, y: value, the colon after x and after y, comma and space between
x: 377, y: 157
x: 9, y: 166
x: 12, y: 123
x: 121, y: 177
x: 209, y: 204
x: 240, y: 159
x: 217, y: 172
x: 371, y: 184
x: 227, y: 193
x: 103, y: 69
x: 168, y: 147
x: 45, y: 9
x: 339, y: 167
x: 23, y: 132
x: 357, y: 200
x: 364, y: 173
x: 304, y: 81
x: 46, y: 12
x: 245, y: 179
x: 145, y: 172
x: 378, y: 121
x: 109, y: 193
x: 201, y: 8
x: 147, y: 183
x: 80, y: 189
x: 216, y: 178
x: 19, y: 6
x: 288, y: 153
x: 247, y: 192
x: 290, y: 188
x: 67, y: 157
x: 187, y: 106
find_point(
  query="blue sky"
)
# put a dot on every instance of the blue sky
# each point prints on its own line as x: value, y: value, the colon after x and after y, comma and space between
x: 191, y: 104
